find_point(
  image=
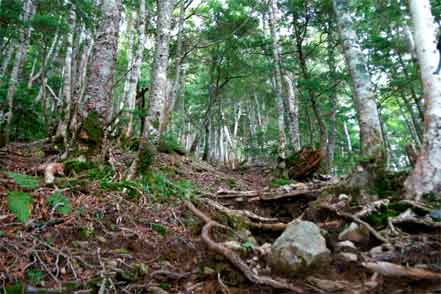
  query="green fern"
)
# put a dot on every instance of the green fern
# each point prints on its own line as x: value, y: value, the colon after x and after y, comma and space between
x: 19, y: 203
x: 24, y: 181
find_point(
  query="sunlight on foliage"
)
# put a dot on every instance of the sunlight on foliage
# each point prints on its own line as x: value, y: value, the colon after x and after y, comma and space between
x: 60, y: 203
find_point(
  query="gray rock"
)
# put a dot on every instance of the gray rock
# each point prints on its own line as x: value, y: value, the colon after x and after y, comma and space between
x: 435, y: 214
x: 299, y: 248
x: 354, y: 233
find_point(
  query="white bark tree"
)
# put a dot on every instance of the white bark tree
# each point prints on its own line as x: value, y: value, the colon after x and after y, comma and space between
x: 426, y: 176
x: 293, y: 113
x: 20, y: 56
x: 371, y: 140
x: 158, y: 90
x: 273, y: 21
x: 135, y: 69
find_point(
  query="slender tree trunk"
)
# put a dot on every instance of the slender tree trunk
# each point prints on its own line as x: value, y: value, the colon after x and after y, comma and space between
x: 7, y: 59
x: 98, y: 93
x: 67, y: 80
x: 426, y: 176
x: 158, y: 90
x: 136, y: 67
x: 25, y: 35
x: 273, y: 21
x: 293, y: 113
x: 178, y: 82
x: 371, y: 140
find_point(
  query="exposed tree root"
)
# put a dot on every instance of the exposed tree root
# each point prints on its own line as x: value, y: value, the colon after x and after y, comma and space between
x: 394, y: 270
x: 233, y: 257
x: 359, y: 221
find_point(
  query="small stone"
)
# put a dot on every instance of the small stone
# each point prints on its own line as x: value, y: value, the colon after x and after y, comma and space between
x: 208, y: 271
x: 101, y: 239
x: 349, y: 257
x: 345, y: 245
x: 435, y: 214
x: 354, y: 233
x: 343, y: 197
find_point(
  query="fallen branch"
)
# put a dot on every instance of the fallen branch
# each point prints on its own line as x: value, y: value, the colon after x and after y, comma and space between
x: 394, y: 270
x: 233, y: 257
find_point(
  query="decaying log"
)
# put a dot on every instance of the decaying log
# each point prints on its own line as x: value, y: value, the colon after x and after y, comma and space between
x: 303, y: 164
x: 394, y: 270
x: 233, y: 257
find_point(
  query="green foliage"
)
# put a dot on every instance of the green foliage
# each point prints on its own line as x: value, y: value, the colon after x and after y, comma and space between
x: 169, y: 144
x: 160, y: 229
x: 133, y: 187
x: 34, y: 276
x: 16, y: 288
x: 24, y: 181
x: 60, y: 203
x: 147, y: 154
x: 161, y: 189
x: 72, y: 167
x: 380, y: 217
x: 19, y: 203
x: 278, y: 182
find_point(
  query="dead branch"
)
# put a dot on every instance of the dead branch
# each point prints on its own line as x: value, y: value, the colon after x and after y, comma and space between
x: 233, y: 257
x: 372, y: 207
x: 394, y: 270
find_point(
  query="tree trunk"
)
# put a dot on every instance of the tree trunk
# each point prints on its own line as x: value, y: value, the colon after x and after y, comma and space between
x: 426, y: 177
x: 7, y: 59
x: 134, y: 66
x: 98, y: 93
x: 178, y: 82
x: 293, y: 114
x: 159, y: 82
x: 273, y: 21
x: 67, y: 80
x: 25, y: 35
x: 371, y: 140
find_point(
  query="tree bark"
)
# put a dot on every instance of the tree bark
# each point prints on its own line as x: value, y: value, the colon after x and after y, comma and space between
x: 25, y: 35
x: 98, y: 93
x: 159, y: 82
x: 426, y: 176
x: 293, y: 113
x: 371, y: 140
x: 273, y: 21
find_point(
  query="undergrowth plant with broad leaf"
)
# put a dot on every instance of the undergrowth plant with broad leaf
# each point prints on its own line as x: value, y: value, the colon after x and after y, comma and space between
x: 60, y: 203
x: 19, y: 203
x: 24, y: 181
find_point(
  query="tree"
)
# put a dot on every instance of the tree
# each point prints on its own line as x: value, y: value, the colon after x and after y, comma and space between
x: 98, y: 93
x: 371, y: 140
x: 28, y: 11
x: 426, y: 176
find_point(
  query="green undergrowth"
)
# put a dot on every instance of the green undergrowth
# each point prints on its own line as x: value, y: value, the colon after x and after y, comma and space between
x: 278, y: 182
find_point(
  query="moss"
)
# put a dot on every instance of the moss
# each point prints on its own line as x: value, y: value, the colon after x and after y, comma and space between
x: 91, y: 131
x: 277, y: 182
x: 231, y: 183
x: 388, y: 184
x: 147, y: 155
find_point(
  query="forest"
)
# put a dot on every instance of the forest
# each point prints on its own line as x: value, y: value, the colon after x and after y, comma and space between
x: 220, y: 146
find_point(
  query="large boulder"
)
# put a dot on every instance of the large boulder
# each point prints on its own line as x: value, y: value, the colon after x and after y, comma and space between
x: 300, y: 248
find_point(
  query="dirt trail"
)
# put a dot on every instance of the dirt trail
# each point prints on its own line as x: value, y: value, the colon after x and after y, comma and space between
x: 124, y: 237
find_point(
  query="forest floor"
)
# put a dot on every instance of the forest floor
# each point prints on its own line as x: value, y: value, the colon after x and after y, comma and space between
x: 117, y: 236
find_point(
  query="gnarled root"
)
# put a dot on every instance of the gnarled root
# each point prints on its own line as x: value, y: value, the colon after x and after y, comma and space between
x: 233, y: 257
